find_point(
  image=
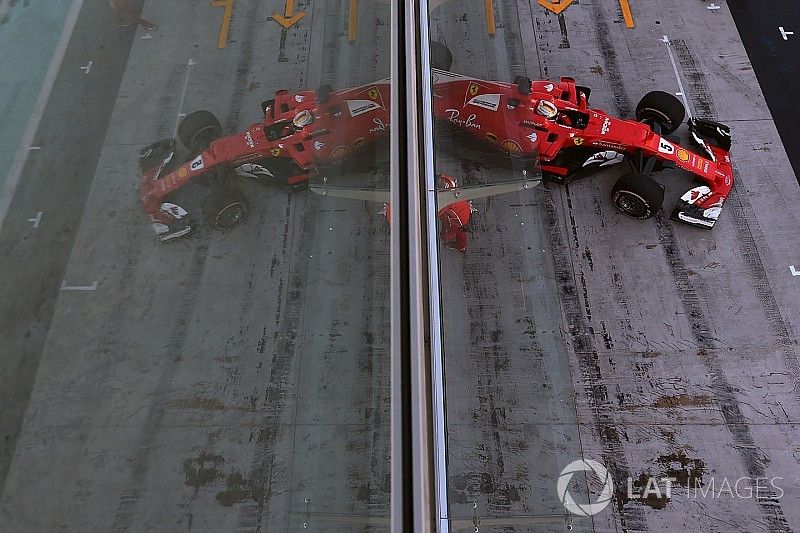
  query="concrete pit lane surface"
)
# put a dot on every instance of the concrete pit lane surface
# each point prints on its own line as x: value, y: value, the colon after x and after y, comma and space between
x: 239, y: 381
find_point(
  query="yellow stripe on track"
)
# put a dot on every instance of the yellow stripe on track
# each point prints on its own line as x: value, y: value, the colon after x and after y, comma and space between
x: 626, y: 13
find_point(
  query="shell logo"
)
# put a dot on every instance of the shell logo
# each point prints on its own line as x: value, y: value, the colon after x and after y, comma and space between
x: 358, y: 142
x: 578, y: 141
x: 340, y: 152
x: 275, y: 152
x: 511, y: 147
x: 183, y: 172
x: 492, y: 138
x: 682, y: 154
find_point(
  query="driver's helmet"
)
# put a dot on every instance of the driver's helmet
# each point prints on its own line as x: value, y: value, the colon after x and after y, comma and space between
x: 547, y: 109
x: 302, y: 119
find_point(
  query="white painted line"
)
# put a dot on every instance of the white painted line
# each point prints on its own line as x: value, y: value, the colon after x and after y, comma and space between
x: 181, y: 114
x: 682, y: 92
x: 88, y: 68
x: 12, y: 180
x: 793, y: 271
x: 785, y: 34
x: 712, y: 7
x: 35, y: 148
x: 86, y: 288
x: 36, y: 220
x: 146, y: 36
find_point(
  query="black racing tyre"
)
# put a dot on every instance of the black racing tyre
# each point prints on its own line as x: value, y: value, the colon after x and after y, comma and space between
x: 225, y: 207
x: 198, y: 129
x: 441, y: 57
x: 637, y: 196
x: 663, y: 108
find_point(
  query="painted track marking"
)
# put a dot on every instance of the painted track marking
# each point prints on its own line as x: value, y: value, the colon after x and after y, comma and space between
x: 36, y: 220
x: 80, y: 288
x: 681, y: 92
x: 289, y: 17
x: 352, y: 21
x: 12, y: 181
x: 225, y: 26
x: 793, y: 271
x: 556, y: 6
x: 785, y: 34
x: 189, y: 65
x: 626, y: 13
x: 491, y: 27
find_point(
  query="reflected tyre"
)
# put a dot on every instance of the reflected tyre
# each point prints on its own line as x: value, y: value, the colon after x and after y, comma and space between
x: 198, y: 129
x: 441, y: 56
x: 226, y: 207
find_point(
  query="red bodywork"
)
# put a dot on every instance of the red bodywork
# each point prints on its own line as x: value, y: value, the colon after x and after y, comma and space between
x: 344, y: 122
x: 505, y: 117
x: 502, y: 115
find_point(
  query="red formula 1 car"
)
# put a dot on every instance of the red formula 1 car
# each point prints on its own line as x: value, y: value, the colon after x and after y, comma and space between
x: 299, y: 131
x: 554, y: 123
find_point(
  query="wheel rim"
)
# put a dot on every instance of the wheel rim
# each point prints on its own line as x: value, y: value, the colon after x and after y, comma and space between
x: 230, y: 215
x: 632, y: 205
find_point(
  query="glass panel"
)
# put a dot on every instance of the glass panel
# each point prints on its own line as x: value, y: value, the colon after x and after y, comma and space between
x: 191, y: 338
x: 611, y: 338
x: 510, y: 412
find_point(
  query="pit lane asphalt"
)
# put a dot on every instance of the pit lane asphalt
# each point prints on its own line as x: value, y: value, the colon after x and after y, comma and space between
x: 55, y: 181
x: 776, y: 61
x: 203, y: 369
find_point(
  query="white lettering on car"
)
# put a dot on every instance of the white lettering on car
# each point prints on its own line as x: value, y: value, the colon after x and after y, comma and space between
x: 380, y: 125
x: 469, y: 122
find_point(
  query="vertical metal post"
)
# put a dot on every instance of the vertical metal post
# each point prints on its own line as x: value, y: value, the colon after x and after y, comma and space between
x: 418, y: 471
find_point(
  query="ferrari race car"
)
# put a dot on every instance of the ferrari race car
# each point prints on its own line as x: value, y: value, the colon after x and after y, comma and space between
x: 299, y: 131
x: 553, y: 123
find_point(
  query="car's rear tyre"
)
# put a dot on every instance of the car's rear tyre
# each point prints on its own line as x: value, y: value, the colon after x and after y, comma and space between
x: 226, y: 207
x: 198, y: 129
x: 662, y: 108
x: 637, y: 196
x: 441, y: 57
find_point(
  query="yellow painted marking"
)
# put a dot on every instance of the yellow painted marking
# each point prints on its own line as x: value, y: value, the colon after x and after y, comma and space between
x: 289, y: 17
x: 556, y: 6
x: 225, y: 27
x: 352, y: 21
x: 626, y: 13
x: 491, y: 28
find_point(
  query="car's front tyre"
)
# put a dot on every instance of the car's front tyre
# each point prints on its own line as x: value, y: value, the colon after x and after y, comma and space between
x: 226, y: 207
x: 637, y: 196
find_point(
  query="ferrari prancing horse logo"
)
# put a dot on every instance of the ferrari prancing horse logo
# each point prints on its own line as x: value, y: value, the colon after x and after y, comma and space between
x: 578, y: 141
x: 473, y: 89
x: 373, y: 93
x: 275, y: 152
